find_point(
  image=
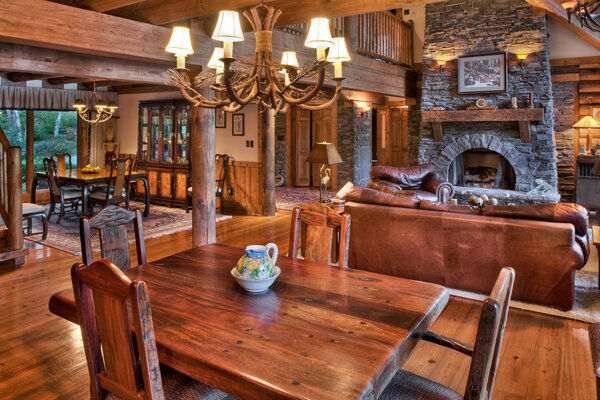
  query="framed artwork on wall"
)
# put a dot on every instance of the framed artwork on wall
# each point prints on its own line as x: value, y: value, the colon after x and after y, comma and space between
x: 220, y: 118
x: 484, y: 73
x: 238, y: 125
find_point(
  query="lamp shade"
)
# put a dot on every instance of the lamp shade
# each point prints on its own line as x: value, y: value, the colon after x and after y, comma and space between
x: 79, y: 104
x: 228, y: 28
x: 319, y: 36
x: 587, y: 122
x: 338, y: 52
x: 215, y: 60
x: 324, y: 153
x: 288, y: 59
x: 180, y: 43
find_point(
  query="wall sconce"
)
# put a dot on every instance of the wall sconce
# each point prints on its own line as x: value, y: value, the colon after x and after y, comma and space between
x: 441, y: 64
x: 363, y: 106
x: 521, y: 57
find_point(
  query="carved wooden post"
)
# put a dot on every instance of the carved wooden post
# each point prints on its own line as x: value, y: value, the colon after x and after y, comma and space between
x: 268, y: 160
x: 82, y: 143
x: 29, y: 149
x: 203, y: 176
x: 15, y: 200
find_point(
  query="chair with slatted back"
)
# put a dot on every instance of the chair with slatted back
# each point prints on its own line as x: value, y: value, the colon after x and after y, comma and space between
x: 116, y: 190
x: 63, y: 162
x: 485, y: 353
x: 118, y: 367
x: 111, y: 223
x: 318, y: 226
x: 60, y: 195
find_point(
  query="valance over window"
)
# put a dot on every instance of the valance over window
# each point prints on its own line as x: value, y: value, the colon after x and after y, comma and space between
x: 31, y: 98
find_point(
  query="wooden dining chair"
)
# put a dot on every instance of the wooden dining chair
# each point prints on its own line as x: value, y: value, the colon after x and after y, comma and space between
x: 118, y: 367
x: 111, y: 223
x: 318, y: 227
x: 221, y: 173
x: 485, y: 353
x: 594, y: 334
x: 59, y: 195
x: 63, y: 162
x: 116, y: 190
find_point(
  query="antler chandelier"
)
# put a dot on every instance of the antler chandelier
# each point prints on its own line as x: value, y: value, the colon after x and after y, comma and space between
x: 103, y: 111
x: 585, y: 11
x: 262, y: 81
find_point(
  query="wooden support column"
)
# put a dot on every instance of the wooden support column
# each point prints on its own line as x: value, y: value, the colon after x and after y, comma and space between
x: 29, y: 150
x: 203, y: 176
x: 82, y: 143
x: 268, y: 159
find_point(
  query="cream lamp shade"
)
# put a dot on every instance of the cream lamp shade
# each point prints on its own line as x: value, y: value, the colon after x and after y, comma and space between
x: 215, y: 60
x: 319, y: 36
x: 228, y: 28
x: 288, y: 59
x: 324, y: 153
x: 587, y: 122
x: 338, y: 52
x: 180, y: 43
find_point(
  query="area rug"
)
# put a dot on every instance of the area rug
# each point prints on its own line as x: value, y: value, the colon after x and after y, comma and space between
x: 159, y: 222
x: 289, y: 198
x: 587, y: 296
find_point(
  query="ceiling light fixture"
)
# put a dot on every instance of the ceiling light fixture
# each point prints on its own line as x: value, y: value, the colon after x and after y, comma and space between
x: 103, y: 111
x: 585, y: 11
x: 262, y: 81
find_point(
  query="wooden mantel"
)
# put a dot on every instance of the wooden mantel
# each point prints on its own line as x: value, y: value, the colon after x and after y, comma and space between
x: 521, y: 115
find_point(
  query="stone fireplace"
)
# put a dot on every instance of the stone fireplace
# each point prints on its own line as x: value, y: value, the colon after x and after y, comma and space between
x: 470, y: 27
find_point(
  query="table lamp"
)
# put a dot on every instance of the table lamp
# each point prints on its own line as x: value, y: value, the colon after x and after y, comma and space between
x: 324, y: 153
x: 587, y: 122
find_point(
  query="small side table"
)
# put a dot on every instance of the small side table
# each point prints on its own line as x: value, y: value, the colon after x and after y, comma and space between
x: 596, y: 238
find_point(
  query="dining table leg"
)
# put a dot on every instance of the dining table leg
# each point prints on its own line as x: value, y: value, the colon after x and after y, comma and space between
x: 147, y: 195
x: 84, y: 194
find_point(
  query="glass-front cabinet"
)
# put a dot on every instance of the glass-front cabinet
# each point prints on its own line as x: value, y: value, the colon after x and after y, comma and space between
x: 163, y: 149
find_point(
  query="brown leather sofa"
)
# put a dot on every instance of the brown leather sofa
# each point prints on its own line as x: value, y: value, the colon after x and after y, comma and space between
x: 463, y: 247
x: 420, y: 179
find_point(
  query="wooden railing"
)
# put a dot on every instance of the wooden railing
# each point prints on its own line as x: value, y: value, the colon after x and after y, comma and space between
x: 11, y: 202
x: 385, y: 36
x: 380, y: 35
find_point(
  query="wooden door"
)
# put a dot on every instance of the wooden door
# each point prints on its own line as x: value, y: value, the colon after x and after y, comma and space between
x: 383, y: 136
x: 399, y: 137
x: 302, y: 142
x: 324, y: 129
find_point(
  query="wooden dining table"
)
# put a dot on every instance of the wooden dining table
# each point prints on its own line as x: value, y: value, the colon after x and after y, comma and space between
x: 84, y: 180
x: 318, y: 332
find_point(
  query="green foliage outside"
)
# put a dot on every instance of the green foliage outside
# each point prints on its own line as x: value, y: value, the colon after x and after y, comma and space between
x: 55, y: 132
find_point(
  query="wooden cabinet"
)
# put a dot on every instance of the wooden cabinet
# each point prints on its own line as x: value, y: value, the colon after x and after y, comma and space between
x: 588, y: 183
x: 163, y: 149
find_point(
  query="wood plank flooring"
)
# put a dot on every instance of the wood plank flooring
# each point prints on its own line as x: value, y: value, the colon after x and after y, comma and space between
x: 41, y: 356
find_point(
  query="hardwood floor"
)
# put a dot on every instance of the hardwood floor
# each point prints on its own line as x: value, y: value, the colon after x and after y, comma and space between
x: 41, y: 355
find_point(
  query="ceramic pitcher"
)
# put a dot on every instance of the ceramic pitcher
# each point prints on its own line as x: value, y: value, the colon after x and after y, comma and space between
x: 257, y: 263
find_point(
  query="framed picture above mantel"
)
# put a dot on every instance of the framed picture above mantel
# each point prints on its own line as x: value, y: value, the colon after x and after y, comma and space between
x: 482, y: 73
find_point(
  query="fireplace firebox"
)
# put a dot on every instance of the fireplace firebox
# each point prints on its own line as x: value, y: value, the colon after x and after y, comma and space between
x: 482, y: 168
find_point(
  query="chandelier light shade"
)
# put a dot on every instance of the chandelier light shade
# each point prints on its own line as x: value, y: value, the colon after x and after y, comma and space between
x: 237, y: 83
x: 180, y: 45
x: 587, y: 12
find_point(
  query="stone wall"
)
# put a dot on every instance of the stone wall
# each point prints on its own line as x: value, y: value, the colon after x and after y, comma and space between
x: 469, y: 27
x: 354, y: 144
x: 564, y: 96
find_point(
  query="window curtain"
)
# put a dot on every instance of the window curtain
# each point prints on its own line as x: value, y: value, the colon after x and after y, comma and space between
x: 29, y: 98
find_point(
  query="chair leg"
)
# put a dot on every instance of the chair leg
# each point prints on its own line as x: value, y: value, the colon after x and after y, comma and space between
x: 44, y: 227
x: 29, y: 222
x: 51, y: 210
x: 61, y: 214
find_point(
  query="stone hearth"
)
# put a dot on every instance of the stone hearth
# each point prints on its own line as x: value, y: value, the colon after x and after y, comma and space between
x: 470, y: 27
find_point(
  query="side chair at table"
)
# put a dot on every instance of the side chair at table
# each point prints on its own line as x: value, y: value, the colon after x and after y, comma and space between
x: 317, y: 226
x: 485, y: 353
x: 60, y: 195
x: 111, y: 223
x: 116, y: 190
x: 120, y: 368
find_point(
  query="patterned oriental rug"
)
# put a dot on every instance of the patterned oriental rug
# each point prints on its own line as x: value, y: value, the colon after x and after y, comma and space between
x: 161, y: 221
x: 288, y: 198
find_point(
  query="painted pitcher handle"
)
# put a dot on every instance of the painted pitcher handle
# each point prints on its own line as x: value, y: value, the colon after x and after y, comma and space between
x: 273, y: 246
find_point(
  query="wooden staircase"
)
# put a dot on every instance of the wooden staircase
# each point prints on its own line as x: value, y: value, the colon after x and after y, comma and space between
x: 12, y: 252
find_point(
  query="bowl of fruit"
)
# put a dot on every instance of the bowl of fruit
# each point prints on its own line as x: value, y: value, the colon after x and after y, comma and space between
x: 90, y: 169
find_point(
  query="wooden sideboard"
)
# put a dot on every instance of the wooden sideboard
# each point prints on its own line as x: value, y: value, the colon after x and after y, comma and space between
x: 588, y: 183
x: 163, y: 143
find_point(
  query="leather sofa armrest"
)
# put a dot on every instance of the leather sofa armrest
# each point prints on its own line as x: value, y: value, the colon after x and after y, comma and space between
x: 585, y: 247
x: 443, y: 189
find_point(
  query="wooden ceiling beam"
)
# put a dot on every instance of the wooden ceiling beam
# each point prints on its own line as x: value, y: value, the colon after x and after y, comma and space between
x: 24, y: 77
x: 42, y: 24
x: 64, y: 80
x: 109, y: 5
x: 555, y: 10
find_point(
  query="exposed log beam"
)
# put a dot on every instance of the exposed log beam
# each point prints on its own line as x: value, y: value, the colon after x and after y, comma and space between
x: 63, y: 80
x: 136, y: 89
x: 108, y: 5
x: 160, y: 12
x: 42, y: 24
x: 58, y: 63
x: 555, y: 10
x: 24, y: 77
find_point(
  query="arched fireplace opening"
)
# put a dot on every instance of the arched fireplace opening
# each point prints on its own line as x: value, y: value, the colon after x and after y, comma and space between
x: 482, y: 168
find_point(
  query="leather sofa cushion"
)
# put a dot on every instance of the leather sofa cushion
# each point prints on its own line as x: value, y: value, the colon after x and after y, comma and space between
x: 407, y: 177
x: 561, y: 212
x: 425, y: 195
x: 384, y: 186
x: 445, y: 207
x: 406, y: 199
